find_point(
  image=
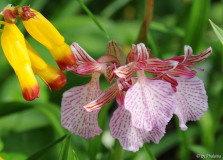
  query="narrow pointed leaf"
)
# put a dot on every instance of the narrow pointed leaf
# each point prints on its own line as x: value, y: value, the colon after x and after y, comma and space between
x: 196, y: 25
x: 113, y: 7
x: 64, y: 150
x: 93, y: 17
x: 218, y: 31
x: 41, y: 152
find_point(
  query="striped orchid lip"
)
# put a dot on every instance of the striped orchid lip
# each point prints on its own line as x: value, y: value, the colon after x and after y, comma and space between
x: 146, y: 104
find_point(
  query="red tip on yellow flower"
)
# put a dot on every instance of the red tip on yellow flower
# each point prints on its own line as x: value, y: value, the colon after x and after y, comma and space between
x: 14, y: 47
x: 54, y: 78
x: 28, y: 82
x: 45, y: 33
x: 63, y: 55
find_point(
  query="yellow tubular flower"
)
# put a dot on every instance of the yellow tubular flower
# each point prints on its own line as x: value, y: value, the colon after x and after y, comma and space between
x: 45, y: 33
x: 14, y: 47
x: 54, y: 78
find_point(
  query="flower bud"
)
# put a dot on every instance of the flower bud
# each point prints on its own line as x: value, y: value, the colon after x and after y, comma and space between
x: 9, y: 16
x: 114, y: 49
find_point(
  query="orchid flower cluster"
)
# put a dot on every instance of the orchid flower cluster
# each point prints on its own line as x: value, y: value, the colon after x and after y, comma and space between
x: 146, y: 104
x: 24, y: 59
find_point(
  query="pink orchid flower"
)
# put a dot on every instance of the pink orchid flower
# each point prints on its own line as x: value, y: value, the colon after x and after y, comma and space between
x: 146, y: 104
x: 191, y: 94
x: 125, y: 124
x: 73, y: 116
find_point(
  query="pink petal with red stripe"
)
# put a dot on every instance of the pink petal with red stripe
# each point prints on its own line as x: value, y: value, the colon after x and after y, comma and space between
x: 183, y: 71
x: 191, y: 100
x: 138, y: 53
x: 73, y: 115
x: 130, y: 137
x: 90, y: 67
x: 200, y: 57
x: 80, y: 54
x: 161, y: 66
x: 150, y: 102
x: 126, y: 72
x: 74, y: 70
x: 109, y: 74
x: 104, y: 98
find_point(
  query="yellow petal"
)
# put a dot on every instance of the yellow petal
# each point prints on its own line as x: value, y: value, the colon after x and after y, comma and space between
x: 36, y: 61
x: 39, y: 27
x: 28, y: 82
x: 14, y: 47
x: 54, y: 78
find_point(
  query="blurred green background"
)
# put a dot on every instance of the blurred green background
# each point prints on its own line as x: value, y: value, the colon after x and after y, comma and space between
x: 27, y: 127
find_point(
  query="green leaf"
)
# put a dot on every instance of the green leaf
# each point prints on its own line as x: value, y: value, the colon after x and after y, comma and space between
x: 199, y: 149
x: 41, y: 152
x: 12, y: 156
x: 1, y: 145
x: 218, y: 31
x: 93, y: 18
x: 149, y: 153
x: 173, y: 30
x: 113, y: 7
x: 218, y: 149
x: 65, y: 147
x: 75, y: 156
x: 196, y: 25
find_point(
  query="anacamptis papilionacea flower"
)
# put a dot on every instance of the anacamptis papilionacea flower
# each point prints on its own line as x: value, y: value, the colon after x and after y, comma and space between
x: 146, y: 104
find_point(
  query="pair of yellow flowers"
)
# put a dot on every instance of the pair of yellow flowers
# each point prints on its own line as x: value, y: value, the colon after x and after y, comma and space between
x: 26, y: 62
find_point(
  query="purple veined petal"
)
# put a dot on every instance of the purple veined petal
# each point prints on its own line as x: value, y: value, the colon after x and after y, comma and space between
x: 109, y: 60
x: 171, y: 80
x: 200, y: 57
x: 166, y: 78
x: 142, y: 52
x: 74, y: 70
x: 126, y: 72
x: 151, y: 102
x: 109, y: 74
x: 187, y: 52
x: 187, y: 63
x: 162, y: 66
x: 123, y: 85
x: 183, y: 71
x: 191, y: 100
x: 130, y: 137
x: 103, y: 99
x: 132, y: 56
x: 138, y: 53
x: 73, y: 115
x: 120, y: 98
x: 80, y: 54
x: 90, y: 67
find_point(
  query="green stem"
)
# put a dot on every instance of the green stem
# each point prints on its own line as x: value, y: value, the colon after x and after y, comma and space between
x: 142, y: 37
x: 184, y: 151
x: 150, y: 156
x: 118, y: 152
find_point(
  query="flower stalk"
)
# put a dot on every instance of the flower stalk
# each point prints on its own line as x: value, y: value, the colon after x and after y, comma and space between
x: 142, y: 37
